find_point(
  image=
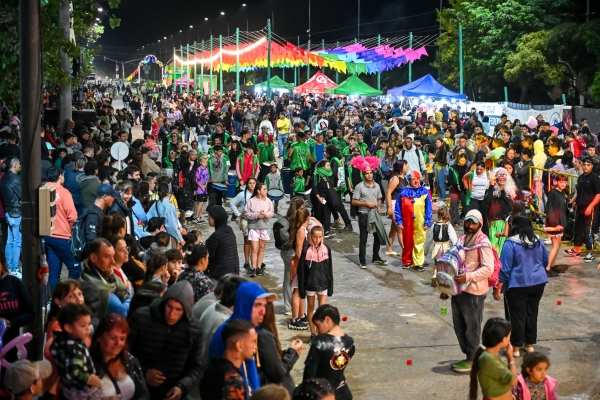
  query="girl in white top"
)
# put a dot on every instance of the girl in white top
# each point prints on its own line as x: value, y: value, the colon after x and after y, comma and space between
x: 258, y: 211
x: 267, y: 123
x: 240, y: 201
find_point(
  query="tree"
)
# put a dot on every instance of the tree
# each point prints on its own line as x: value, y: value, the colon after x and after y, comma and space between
x: 491, y: 32
x: 529, y: 62
x: 86, y: 33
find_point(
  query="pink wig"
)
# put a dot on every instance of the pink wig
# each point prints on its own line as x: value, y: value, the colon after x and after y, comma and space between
x: 365, y: 163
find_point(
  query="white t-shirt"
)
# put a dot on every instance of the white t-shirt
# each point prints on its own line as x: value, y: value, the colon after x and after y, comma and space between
x: 480, y: 185
x: 126, y: 386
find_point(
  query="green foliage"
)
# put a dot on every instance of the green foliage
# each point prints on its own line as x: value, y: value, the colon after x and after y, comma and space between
x: 86, y: 33
x: 492, y: 30
x: 529, y: 62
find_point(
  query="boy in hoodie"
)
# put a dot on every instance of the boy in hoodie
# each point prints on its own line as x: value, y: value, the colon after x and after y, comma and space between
x: 250, y: 305
x: 222, y: 245
x: 225, y: 378
x: 467, y: 307
x: 273, y: 181
x: 167, y: 340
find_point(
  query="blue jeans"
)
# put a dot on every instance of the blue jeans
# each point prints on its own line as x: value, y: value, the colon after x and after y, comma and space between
x: 59, y: 251
x: 13, y: 244
x: 281, y: 141
x: 238, y: 127
x: 441, y: 182
x: 202, y: 141
x: 138, y: 114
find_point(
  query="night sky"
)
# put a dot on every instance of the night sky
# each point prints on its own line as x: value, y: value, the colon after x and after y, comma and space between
x: 144, y: 22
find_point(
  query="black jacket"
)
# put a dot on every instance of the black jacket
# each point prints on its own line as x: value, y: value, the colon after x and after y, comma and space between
x: 222, y: 246
x: 147, y: 122
x: 93, y: 221
x: 10, y: 189
x: 175, y: 350
x: 273, y: 368
x: 124, y: 210
x: 315, y: 276
x: 133, y: 369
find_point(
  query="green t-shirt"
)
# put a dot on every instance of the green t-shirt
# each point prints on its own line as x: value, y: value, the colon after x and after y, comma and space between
x: 300, y: 156
x: 340, y: 143
x: 298, y: 184
x: 494, y: 376
x: 266, y: 152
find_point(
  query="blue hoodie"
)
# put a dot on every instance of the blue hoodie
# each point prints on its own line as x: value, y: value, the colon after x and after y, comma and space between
x: 242, y: 309
x: 523, y: 266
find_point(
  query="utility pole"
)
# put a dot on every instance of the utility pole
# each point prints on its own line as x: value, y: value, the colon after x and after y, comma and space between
x: 202, y: 69
x: 195, y: 69
x: 237, y: 65
x: 410, y: 62
x: 221, y: 64
x: 211, y: 67
x: 268, y: 60
x: 174, y: 68
x: 181, y: 79
x: 31, y: 92
x: 460, y: 56
x: 187, y: 68
x: 65, y: 96
x: 358, y: 20
x: 337, y: 74
x: 378, y: 73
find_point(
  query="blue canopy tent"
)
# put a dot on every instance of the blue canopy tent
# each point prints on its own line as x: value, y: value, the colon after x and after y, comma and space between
x: 425, y: 86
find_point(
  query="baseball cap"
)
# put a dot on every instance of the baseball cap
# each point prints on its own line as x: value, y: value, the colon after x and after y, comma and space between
x: 23, y: 373
x: 472, y: 218
x: 271, y: 297
x: 410, y: 136
x: 107, y: 190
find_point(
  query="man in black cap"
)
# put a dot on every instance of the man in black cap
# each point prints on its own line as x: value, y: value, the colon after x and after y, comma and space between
x: 105, y: 196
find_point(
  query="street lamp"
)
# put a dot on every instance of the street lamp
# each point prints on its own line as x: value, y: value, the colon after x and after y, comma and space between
x: 100, y: 9
x: 247, y: 23
x: 223, y: 13
x: 205, y: 18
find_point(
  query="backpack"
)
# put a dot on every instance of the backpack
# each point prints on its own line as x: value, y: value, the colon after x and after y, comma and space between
x: 437, y: 226
x: 418, y: 156
x: 78, y: 241
x: 281, y: 234
x: 452, y: 263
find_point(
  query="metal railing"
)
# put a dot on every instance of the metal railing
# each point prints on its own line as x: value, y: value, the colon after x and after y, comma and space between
x: 535, y: 184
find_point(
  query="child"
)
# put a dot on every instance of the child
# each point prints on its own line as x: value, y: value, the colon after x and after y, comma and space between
x: 197, y: 260
x: 495, y: 378
x: 160, y: 245
x: 444, y: 236
x: 156, y: 269
x: 330, y: 352
x: 298, y: 183
x: 174, y: 262
x: 315, y: 274
x: 202, y: 179
x: 74, y: 364
x: 273, y: 181
x: 556, y: 220
x: 533, y: 383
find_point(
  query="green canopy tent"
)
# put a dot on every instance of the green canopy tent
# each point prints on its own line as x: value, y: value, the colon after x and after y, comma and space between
x: 276, y: 84
x: 354, y: 86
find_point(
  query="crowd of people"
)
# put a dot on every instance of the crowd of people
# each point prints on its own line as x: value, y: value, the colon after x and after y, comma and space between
x: 140, y: 272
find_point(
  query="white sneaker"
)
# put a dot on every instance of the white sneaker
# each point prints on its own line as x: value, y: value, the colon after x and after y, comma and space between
x: 391, y: 253
x: 548, y: 241
x: 17, y: 274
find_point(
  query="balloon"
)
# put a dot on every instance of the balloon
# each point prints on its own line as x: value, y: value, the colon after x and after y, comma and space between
x: 19, y: 342
x: 532, y: 123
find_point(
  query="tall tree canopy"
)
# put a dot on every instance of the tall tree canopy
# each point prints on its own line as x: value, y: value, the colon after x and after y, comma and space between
x: 86, y: 33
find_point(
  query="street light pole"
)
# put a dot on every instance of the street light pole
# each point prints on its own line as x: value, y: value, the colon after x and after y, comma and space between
x: 358, y: 20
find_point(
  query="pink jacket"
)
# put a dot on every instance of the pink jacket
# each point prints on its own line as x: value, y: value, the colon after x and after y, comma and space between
x: 479, y: 270
x: 522, y: 392
x: 66, y: 214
